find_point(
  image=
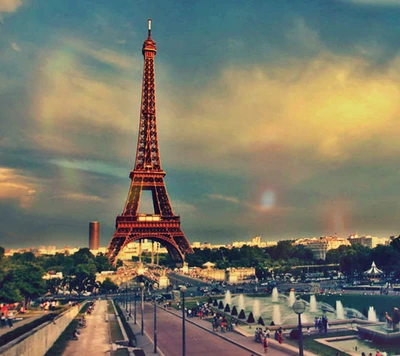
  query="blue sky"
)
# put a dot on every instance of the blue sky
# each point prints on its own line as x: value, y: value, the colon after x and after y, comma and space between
x: 276, y: 118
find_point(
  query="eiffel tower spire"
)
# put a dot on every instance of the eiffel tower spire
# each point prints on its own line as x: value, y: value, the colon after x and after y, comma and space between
x: 163, y: 225
x: 147, y: 154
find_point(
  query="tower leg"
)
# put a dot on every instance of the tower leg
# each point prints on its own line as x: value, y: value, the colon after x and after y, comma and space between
x: 158, y: 254
x: 152, y: 252
x: 140, y: 251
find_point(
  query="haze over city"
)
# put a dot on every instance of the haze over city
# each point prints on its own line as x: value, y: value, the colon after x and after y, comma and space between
x: 275, y: 118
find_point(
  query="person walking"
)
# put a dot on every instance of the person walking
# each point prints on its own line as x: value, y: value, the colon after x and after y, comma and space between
x: 3, y: 321
x: 10, y: 319
x: 265, y: 345
x: 280, y: 335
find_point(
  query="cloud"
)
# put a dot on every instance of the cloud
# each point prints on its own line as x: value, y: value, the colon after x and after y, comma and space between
x: 16, y: 186
x: 323, y: 109
x: 224, y: 198
x: 86, y: 87
x: 15, y: 47
x: 79, y: 197
x: 375, y: 2
x: 92, y: 166
x: 9, y: 5
x: 183, y: 207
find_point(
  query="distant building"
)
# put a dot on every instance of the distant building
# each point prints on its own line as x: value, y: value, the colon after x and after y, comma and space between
x: 133, y: 249
x: 53, y: 275
x: 94, y: 235
x: 321, y: 245
x: 368, y: 241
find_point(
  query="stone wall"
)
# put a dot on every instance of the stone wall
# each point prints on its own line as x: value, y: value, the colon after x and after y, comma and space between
x: 38, y: 341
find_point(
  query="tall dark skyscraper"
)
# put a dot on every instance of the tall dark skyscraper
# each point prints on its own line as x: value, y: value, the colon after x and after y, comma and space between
x: 94, y: 235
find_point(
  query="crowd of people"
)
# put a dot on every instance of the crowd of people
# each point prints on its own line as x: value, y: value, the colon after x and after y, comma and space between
x: 321, y: 323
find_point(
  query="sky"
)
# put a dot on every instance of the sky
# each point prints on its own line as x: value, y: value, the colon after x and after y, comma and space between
x: 276, y: 118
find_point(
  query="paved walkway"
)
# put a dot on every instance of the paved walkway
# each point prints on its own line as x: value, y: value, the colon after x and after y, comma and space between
x: 200, y: 339
x: 28, y: 318
x: 247, y: 341
x: 94, y: 339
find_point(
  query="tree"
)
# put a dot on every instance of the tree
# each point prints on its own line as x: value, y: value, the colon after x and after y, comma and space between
x: 28, y: 280
x: 261, y: 321
x: 250, y: 319
x: 234, y: 311
x: 242, y: 315
x: 221, y: 305
x: 82, y: 256
x: 227, y: 308
x: 108, y: 286
x: 396, y: 244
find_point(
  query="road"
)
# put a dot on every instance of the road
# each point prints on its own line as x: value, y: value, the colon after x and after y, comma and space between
x: 198, y: 340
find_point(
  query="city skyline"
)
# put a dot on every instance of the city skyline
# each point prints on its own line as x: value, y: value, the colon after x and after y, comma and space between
x: 275, y: 119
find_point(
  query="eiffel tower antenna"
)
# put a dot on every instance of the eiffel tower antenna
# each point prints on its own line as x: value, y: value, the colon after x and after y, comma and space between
x: 163, y: 225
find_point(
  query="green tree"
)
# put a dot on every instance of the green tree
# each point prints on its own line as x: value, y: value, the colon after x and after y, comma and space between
x: 28, y: 280
x: 108, y: 286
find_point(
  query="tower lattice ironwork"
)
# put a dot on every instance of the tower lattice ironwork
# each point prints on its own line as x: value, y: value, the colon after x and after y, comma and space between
x: 163, y: 225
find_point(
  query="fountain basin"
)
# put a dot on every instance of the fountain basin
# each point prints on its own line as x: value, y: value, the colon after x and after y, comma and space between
x: 379, y: 333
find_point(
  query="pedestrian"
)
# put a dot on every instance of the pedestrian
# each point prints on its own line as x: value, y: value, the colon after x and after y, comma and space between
x: 265, y: 345
x: 280, y: 335
x: 10, y: 319
x: 3, y: 320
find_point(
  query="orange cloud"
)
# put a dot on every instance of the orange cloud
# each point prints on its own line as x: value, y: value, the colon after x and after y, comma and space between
x: 15, y: 186
x: 327, y: 105
x: 10, y: 5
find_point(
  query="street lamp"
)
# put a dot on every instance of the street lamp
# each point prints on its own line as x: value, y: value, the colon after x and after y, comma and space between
x: 183, y: 291
x: 299, y: 306
x: 134, y: 309
x: 155, y: 287
x: 142, y: 287
x: 126, y: 295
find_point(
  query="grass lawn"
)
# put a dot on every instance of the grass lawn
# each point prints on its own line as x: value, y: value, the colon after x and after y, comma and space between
x: 121, y: 352
x: 110, y: 307
x: 115, y: 331
x: 310, y: 343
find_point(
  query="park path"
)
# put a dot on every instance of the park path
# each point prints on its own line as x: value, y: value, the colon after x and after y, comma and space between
x: 94, y: 339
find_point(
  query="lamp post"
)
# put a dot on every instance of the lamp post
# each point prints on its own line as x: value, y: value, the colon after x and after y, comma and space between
x: 142, y: 287
x: 155, y: 287
x: 183, y: 291
x: 299, y: 306
x: 126, y: 295
x: 130, y: 302
x: 134, y: 309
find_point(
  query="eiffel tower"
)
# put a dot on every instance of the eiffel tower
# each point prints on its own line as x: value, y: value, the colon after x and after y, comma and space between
x: 163, y: 226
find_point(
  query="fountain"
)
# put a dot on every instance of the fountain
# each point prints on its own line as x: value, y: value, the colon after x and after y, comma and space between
x: 256, y: 308
x: 275, y: 295
x: 276, y: 315
x: 339, y: 310
x: 292, y: 298
x: 241, y: 302
x: 372, y: 315
x: 276, y: 308
x: 313, y: 304
x: 228, y: 298
x: 383, y: 332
